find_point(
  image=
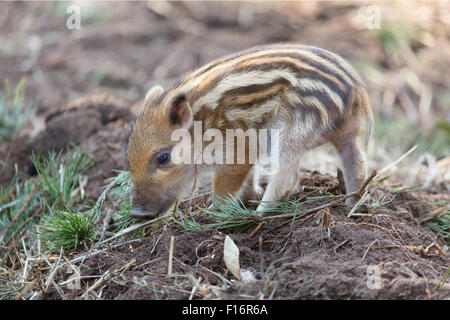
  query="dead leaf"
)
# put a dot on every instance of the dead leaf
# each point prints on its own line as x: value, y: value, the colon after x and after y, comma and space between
x: 231, y: 257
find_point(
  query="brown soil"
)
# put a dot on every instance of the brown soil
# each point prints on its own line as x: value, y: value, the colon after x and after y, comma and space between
x: 290, y: 261
x: 98, y: 124
x: 298, y: 261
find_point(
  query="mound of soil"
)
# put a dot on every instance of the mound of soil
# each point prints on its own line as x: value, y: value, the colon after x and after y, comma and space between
x: 97, y: 125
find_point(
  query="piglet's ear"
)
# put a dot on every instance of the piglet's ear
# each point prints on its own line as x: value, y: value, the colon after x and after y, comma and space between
x: 153, y: 94
x: 180, y: 113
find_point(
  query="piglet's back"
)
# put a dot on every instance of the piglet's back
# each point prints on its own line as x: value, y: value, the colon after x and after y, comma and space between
x: 250, y: 86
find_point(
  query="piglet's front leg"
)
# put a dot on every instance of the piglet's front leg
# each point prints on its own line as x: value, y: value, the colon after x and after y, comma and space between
x: 228, y: 181
x: 281, y: 184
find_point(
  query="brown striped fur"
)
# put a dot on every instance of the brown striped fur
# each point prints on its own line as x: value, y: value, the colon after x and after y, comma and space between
x: 312, y: 95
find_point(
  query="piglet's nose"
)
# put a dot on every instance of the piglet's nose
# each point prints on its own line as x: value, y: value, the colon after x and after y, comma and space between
x: 138, y: 212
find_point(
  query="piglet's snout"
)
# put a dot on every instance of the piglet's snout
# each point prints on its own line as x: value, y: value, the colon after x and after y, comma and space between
x: 137, y: 211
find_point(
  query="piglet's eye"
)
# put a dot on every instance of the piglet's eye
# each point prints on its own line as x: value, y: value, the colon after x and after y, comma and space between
x: 163, y: 159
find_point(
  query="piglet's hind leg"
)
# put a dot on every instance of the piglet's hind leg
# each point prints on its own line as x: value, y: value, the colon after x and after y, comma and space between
x: 354, y: 166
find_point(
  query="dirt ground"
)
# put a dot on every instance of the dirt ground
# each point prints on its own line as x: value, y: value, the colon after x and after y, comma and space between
x: 113, y: 62
x: 297, y: 261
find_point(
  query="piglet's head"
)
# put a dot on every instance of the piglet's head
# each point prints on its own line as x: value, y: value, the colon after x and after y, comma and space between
x: 157, y: 180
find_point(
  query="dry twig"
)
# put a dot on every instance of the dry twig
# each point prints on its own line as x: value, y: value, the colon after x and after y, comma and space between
x: 169, y: 267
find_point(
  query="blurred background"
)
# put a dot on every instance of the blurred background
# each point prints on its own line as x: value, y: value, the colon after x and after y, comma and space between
x: 52, y: 53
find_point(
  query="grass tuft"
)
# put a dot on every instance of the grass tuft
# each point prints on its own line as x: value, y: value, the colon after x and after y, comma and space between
x: 62, y: 226
x: 67, y: 230
x: 61, y: 178
x: 231, y: 214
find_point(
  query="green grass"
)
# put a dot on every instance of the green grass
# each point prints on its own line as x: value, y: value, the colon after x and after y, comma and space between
x: 67, y: 230
x: 379, y: 203
x: 14, y: 113
x: 8, y: 289
x: 441, y: 224
x: 20, y: 208
x: 49, y: 199
x: 61, y: 177
x: 50, y: 204
x: 64, y: 225
x: 231, y: 214
x: 120, y: 195
x: 443, y: 280
x: 189, y: 225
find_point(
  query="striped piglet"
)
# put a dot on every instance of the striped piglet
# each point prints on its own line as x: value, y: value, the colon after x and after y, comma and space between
x: 310, y: 95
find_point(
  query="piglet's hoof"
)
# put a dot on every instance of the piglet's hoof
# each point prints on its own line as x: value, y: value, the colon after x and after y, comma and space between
x: 263, y: 209
x: 350, y: 202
